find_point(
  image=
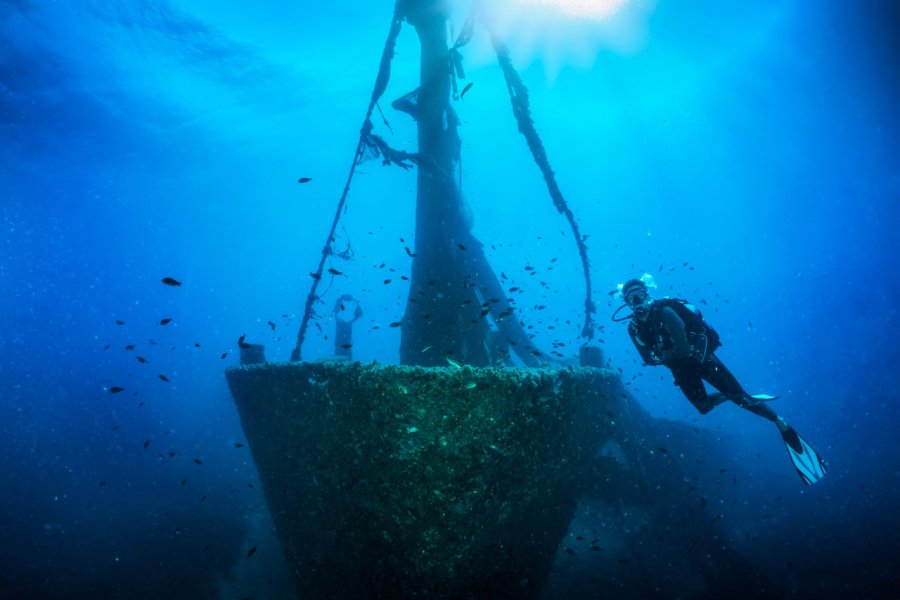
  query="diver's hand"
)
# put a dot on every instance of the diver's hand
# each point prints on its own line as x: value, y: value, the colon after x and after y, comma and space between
x: 661, y: 357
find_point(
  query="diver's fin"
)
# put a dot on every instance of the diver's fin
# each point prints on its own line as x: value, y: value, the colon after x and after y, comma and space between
x: 808, y: 463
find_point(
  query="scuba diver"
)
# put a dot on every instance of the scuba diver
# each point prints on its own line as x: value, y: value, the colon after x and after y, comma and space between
x: 671, y: 332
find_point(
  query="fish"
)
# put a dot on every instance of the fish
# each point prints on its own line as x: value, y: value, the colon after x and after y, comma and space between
x: 272, y: 325
x: 163, y: 377
x: 146, y: 443
x: 242, y: 343
x: 470, y: 386
x: 304, y: 180
x: 466, y: 89
x: 315, y: 276
x: 387, y: 281
x: 141, y: 359
x: 409, y: 252
x: 170, y: 281
x: 129, y: 347
x: 346, y: 346
x: 120, y: 322
x: 251, y: 551
x: 116, y: 390
x: 334, y: 271
x: 198, y: 461
x: 454, y: 364
x: 396, y: 324
x: 166, y: 321
x: 238, y: 445
x: 224, y: 354
x: 461, y: 247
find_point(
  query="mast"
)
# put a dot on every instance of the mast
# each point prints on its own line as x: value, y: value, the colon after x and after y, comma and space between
x: 455, y: 301
x: 434, y: 326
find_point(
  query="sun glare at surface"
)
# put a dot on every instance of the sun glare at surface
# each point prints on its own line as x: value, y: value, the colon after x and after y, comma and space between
x: 569, y: 33
x: 582, y: 9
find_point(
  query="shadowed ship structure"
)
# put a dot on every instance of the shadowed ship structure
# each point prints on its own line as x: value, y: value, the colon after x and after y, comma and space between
x: 456, y: 474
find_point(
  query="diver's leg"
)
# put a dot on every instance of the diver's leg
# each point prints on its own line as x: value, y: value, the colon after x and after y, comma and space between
x: 718, y: 375
x: 690, y: 381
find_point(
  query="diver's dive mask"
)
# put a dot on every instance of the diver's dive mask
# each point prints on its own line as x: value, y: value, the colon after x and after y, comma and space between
x: 635, y: 297
x: 637, y: 300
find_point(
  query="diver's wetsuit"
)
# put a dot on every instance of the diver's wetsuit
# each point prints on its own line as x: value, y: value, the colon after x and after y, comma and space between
x: 663, y: 339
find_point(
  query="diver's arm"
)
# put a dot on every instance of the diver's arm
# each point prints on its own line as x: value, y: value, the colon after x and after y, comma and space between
x: 642, y: 348
x: 675, y: 326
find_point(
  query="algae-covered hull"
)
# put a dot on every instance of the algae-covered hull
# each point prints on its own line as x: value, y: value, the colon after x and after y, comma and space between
x: 391, y: 481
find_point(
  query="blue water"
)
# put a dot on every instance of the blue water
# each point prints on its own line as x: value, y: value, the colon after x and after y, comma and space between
x: 746, y: 155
